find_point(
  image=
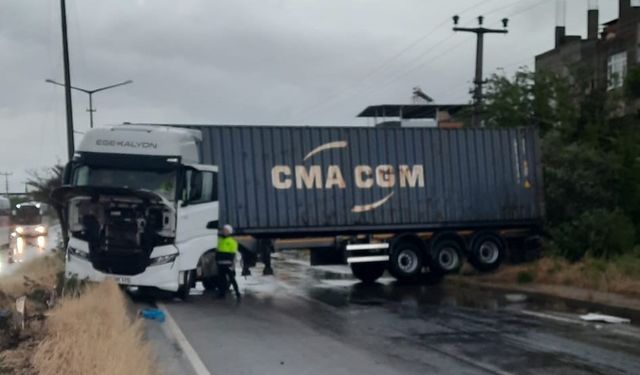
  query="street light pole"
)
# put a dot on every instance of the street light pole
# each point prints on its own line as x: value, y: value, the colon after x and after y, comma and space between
x: 67, y: 79
x: 6, y: 181
x: 91, y: 110
x: 478, y: 80
x: 90, y: 93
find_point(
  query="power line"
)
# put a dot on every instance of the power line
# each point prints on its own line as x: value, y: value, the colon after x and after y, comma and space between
x: 478, y: 81
x: 385, y: 64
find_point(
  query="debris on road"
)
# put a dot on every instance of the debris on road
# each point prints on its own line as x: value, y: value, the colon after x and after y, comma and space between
x: 152, y: 314
x: 515, y: 297
x: 593, y: 317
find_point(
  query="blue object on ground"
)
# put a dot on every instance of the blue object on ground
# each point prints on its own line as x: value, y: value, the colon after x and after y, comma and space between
x: 152, y: 314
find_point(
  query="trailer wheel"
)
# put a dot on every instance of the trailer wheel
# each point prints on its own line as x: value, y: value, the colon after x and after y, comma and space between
x: 405, y: 261
x: 446, y: 256
x: 368, y: 273
x: 487, y: 253
x: 185, y: 287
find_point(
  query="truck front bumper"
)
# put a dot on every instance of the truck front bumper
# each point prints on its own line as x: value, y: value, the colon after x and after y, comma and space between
x: 163, y: 276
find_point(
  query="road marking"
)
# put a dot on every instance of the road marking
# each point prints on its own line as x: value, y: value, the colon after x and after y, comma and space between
x: 551, y: 317
x: 174, y: 331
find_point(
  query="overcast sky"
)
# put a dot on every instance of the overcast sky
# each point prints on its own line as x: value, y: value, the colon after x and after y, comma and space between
x: 247, y: 62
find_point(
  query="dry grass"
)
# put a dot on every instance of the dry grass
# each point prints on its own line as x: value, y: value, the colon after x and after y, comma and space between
x: 35, y: 279
x: 93, y: 334
x: 41, y: 271
x: 620, y: 276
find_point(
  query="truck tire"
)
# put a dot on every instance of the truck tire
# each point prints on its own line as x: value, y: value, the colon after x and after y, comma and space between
x: 185, y: 287
x: 487, y: 253
x: 405, y: 261
x: 368, y: 273
x: 446, y: 256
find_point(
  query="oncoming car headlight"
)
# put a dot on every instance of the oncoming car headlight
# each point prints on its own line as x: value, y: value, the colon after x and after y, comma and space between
x: 164, y: 259
x: 41, y: 229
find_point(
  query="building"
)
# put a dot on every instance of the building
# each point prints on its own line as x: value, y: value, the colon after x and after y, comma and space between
x: 415, y: 115
x: 604, y: 56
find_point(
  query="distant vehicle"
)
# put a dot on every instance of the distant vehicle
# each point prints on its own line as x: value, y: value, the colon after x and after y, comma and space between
x: 5, y: 226
x: 143, y: 203
x: 27, y: 220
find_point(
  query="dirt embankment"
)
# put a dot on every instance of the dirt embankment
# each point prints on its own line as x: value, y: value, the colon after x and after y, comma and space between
x: 87, y: 332
x: 612, y: 282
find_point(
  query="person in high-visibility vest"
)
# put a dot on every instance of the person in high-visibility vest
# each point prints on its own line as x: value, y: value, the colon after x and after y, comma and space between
x: 225, y: 257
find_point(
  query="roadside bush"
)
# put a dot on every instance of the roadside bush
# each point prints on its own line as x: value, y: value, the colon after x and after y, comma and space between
x: 598, y: 233
x: 524, y: 277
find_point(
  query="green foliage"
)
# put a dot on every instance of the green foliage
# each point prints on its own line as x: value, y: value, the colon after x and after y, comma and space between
x: 632, y: 83
x: 524, y: 277
x: 528, y: 99
x: 591, y: 159
x: 598, y: 233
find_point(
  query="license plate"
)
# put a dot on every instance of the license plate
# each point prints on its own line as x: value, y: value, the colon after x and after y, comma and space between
x: 121, y: 279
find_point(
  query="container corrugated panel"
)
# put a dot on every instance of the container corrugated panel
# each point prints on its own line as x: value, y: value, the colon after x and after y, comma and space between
x: 287, y: 180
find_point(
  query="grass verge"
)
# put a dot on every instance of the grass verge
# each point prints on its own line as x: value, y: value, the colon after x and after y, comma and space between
x: 87, y: 332
x: 620, y: 275
x: 93, y: 334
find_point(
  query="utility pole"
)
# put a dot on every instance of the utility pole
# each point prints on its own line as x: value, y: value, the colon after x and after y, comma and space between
x: 479, y: 81
x: 6, y: 181
x: 67, y: 79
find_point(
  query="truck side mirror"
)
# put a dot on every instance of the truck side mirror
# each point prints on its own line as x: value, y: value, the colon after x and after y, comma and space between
x: 212, y: 224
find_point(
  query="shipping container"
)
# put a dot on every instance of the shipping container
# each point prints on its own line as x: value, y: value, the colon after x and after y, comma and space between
x: 287, y: 181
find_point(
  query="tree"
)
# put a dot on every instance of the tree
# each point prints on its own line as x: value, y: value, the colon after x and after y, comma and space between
x: 43, y: 183
x: 591, y: 160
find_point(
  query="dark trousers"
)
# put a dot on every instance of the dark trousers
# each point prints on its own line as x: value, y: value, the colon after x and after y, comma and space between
x: 226, y: 273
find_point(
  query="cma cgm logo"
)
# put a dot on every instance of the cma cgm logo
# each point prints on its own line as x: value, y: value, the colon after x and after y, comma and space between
x: 386, y: 176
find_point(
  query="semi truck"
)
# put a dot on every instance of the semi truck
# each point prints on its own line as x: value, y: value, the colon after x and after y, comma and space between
x: 142, y: 203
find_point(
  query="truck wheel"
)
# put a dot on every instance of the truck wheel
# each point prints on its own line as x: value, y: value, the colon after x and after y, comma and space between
x: 487, y: 253
x: 405, y: 261
x: 185, y: 287
x: 368, y: 273
x: 446, y: 256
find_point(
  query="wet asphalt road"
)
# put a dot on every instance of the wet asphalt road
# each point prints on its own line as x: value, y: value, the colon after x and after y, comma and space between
x: 24, y: 249
x: 310, y: 321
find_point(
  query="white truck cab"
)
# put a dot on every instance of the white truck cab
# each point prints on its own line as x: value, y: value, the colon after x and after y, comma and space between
x: 138, y: 207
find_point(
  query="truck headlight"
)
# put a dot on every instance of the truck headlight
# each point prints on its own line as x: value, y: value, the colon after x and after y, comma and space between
x: 41, y: 229
x: 164, y: 259
x: 19, y: 230
x: 77, y: 253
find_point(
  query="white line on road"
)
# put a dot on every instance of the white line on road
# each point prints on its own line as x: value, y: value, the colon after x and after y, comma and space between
x: 174, y: 331
x: 551, y: 317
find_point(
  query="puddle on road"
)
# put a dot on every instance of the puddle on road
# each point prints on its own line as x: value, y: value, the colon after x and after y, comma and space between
x: 335, y: 286
x: 338, y: 290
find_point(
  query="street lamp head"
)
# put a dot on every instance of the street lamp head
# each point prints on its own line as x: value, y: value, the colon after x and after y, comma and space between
x: 480, y: 20
x: 505, y: 22
x: 456, y: 19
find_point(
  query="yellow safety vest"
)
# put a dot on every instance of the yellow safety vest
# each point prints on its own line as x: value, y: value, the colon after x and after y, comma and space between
x: 227, y: 245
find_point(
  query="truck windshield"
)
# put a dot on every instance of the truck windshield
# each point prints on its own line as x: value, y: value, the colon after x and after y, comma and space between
x: 27, y: 215
x: 162, y: 183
